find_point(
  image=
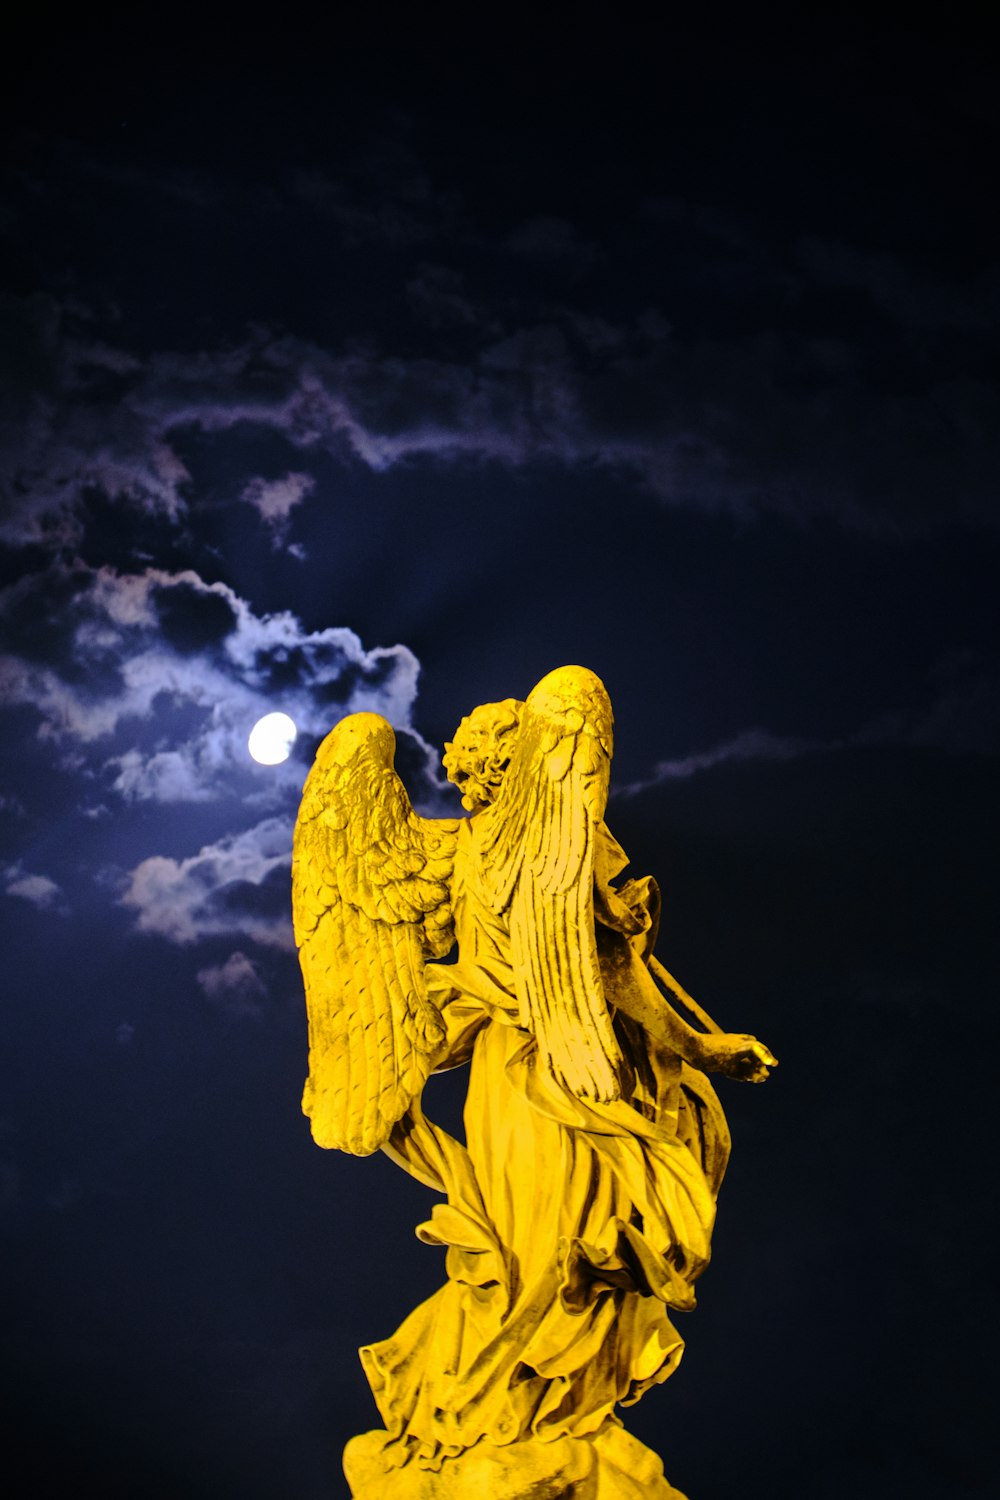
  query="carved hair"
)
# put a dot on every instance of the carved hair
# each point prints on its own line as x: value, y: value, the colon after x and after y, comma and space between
x: 478, y: 756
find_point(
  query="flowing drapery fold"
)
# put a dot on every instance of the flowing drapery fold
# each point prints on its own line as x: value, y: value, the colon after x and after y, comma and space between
x: 571, y: 1227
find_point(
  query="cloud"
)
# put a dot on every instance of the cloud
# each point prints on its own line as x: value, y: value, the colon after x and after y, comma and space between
x: 748, y: 745
x: 879, y: 422
x: 237, y: 886
x: 234, y: 986
x: 38, y: 889
x: 911, y: 297
x: 71, y: 426
x: 394, y: 204
x: 156, y: 679
x: 962, y: 718
x: 275, y: 499
x: 144, y: 688
x: 437, y: 298
x: 550, y: 238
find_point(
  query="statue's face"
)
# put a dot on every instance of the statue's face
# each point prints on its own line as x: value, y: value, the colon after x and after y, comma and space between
x: 476, y: 759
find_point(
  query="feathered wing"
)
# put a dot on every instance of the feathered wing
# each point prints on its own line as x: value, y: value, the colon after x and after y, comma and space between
x: 536, y: 848
x: 371, y: 903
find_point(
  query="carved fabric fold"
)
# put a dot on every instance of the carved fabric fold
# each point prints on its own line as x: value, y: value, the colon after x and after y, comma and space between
x: 572, y: 1226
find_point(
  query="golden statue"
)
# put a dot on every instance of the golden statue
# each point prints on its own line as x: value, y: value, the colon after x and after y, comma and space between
x: 580, y: 1208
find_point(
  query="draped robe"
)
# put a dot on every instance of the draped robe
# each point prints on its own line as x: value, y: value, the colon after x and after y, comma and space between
x: 571, y: 1226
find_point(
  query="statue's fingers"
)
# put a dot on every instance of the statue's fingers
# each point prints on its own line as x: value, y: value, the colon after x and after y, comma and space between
x: 749, y: 1068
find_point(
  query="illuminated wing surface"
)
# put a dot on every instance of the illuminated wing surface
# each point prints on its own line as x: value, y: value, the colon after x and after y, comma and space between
x: 536, y: 848
x: 371, y: 904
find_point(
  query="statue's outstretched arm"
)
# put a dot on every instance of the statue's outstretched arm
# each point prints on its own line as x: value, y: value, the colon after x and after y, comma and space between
x: 629, y: 986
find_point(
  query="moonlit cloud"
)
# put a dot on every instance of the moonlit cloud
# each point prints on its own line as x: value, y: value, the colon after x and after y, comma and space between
x: 236, y: 886
x: 791, y: 418
x: 144, y: 688
x: 275, y: 499
x: 132, y: 657
x: 39, y: 890
x: 234, y: 986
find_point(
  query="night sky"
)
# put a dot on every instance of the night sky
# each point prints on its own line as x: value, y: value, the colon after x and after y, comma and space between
x: 388, y: 362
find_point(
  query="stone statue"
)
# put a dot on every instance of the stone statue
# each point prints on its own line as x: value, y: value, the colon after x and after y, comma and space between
x: 579, y: 1211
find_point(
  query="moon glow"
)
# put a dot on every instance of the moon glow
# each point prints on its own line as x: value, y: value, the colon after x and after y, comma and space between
x: 271, y: 739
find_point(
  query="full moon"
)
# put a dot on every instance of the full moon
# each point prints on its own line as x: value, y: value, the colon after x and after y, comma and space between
x: 271, y: 739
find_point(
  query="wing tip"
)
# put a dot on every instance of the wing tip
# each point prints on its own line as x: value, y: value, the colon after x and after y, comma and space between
x: 567, y: 685
x: 574, y: 698
x: 334, y: 1128
x: 331, y: 1137
x: 358, y: 732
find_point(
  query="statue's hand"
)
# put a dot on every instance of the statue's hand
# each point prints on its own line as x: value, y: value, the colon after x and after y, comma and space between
x: 738, y: 1056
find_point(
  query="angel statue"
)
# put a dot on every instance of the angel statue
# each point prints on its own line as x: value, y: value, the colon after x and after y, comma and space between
x: 579, y: 1210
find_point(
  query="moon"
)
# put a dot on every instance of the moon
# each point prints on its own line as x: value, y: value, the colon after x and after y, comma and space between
x: 271, y: 739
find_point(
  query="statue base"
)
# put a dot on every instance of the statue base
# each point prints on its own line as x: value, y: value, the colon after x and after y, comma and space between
x: 611, y: 1465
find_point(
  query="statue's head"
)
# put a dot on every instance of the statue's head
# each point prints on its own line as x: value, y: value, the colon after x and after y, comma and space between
x: 477, y: 757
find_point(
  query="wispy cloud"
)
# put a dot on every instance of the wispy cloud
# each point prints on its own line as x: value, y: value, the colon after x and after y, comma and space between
x: 275, y: 499
x: 234, y: 986
x: 437, y: 298
x: 962, y: 718
x: 39, y: 890
x: 912, y: 298
x: 551, y: 238
x: 793, y: 419
x: 395, y: 205
x: 748, y: 745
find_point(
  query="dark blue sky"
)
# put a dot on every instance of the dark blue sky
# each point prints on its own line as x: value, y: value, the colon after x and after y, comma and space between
x: 387, y: 363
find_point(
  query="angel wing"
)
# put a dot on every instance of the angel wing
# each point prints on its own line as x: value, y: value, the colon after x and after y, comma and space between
x: 370, y: 903
x: 536, y: 848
